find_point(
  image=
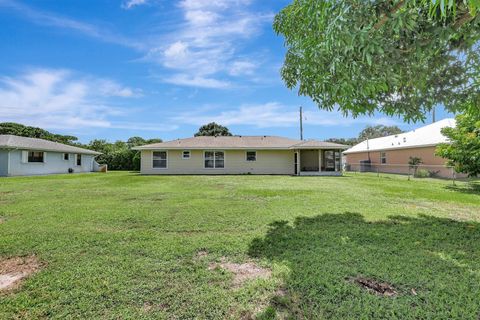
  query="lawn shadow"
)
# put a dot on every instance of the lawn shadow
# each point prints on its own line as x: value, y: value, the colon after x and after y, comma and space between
x: 469, y: 188
x: 433, y: 264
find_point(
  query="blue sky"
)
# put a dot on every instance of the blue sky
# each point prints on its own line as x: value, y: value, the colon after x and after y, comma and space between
x: 154, y: 68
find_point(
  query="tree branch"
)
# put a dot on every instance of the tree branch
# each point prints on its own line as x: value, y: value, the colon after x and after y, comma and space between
x: 384, y: 17
x: 465, y: 18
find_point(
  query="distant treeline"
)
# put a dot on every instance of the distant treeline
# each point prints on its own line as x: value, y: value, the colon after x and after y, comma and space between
x: 370, y: 132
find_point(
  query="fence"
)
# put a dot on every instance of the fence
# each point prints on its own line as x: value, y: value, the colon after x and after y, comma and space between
x: 418, y: 171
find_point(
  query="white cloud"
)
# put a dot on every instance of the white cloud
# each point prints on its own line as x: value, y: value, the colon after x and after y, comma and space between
x: 132, y: 3
x: 196, y: 81
x: 242, y: 67
x: 60, y: 99
x: 274, y: 114
x: 113, y: 89
x: 211, y: 4
x: 205, y: 45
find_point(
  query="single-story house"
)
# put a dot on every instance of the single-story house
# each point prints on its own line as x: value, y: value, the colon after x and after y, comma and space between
x: 21, y: 156
x: 391, y: 154
x: 242, y: 155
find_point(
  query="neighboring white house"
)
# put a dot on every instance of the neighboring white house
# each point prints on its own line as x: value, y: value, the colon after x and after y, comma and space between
x: 242, y: 155
x: 21, y: 156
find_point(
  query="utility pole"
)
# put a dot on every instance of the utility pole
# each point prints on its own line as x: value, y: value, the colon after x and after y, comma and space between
x: 433, y: 114
x: 301, y: 124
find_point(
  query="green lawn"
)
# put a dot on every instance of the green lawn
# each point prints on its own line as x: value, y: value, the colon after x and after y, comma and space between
x: 121, y: 245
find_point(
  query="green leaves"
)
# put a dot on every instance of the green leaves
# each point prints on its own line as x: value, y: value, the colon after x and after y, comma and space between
x: 463, y: 151
x: 444, y: 9
x: 399, y: 57
x: 213, y: 129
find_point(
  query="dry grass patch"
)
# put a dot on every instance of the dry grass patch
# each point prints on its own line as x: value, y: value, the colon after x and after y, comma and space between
x: 202, y: 253
x: 242, y: 272
x: 374, y: 286
x: 14, y: 270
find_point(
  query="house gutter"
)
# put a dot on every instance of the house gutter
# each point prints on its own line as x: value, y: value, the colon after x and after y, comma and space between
x: 395, y: 148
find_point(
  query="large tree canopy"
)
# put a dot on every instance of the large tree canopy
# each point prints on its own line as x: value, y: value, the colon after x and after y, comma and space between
x: 119, y: 154
x: 370, y: 132
x: 18, y: 129
x: 463, y: 151
x: 213, y: 129
x: 400, y: 57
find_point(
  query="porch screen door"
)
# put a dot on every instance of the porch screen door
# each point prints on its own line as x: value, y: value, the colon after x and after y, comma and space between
x: 330, y: 160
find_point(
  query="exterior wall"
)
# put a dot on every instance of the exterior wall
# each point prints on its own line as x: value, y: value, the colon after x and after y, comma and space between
x: 3, y: 163
x: 54, y: 163
x: 397, y: 160
x: 268, y: 162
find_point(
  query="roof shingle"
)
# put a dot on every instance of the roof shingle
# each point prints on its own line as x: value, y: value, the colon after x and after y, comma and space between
x: 239, y: 142
x: 16, y: 142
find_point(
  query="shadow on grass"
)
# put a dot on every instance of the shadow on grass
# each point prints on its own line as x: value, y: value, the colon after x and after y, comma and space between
x: 433, y: 263
x: 469, y: 188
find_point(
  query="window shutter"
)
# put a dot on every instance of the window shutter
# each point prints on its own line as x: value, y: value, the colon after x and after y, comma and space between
x: 24, y: 156
x: 75, y: 159
x: 44, y: 157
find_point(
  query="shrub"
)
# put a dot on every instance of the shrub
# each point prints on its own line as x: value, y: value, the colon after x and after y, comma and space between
x: 422, y: 173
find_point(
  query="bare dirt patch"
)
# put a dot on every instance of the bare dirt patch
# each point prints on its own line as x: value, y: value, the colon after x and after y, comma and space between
x: 374, y: 286
x: 14, y: 270
x: 242, y: 271
x: 2, y: 219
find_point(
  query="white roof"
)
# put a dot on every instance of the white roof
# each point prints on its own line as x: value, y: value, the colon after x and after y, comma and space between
x: 429, y: 135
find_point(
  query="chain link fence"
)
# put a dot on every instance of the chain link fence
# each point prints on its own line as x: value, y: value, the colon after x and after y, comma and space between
x: 409, y: 171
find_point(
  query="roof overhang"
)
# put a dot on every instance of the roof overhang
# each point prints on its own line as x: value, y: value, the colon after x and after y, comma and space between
x: 92, y: 153
x: 210, y: 148
x: 395, y: 148
x: 318, y: 148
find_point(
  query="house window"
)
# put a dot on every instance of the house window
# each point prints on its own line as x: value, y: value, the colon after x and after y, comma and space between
x: 251, y: 155
x: 186, y: 154
x: 66, y: 156
x: 383, y: 157
x: 79, y: 159
x: 214, y: 159
x: 35, y: 156
x: 160, y: 159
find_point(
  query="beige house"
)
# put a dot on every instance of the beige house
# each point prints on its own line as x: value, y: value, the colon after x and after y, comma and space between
x: 242, y: 155
x: 391, y: 154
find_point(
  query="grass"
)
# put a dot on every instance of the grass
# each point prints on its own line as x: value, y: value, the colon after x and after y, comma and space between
x: 124, y: 246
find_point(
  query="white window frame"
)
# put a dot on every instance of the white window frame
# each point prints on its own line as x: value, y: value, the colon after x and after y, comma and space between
x: 166, y: 160
x: 44, y: 156
x: 214, y: 160
x: 189, y: 154
x: 76, y: 159
x: 246, y: 155
x: 383, y: 158
x: 68, y: 156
